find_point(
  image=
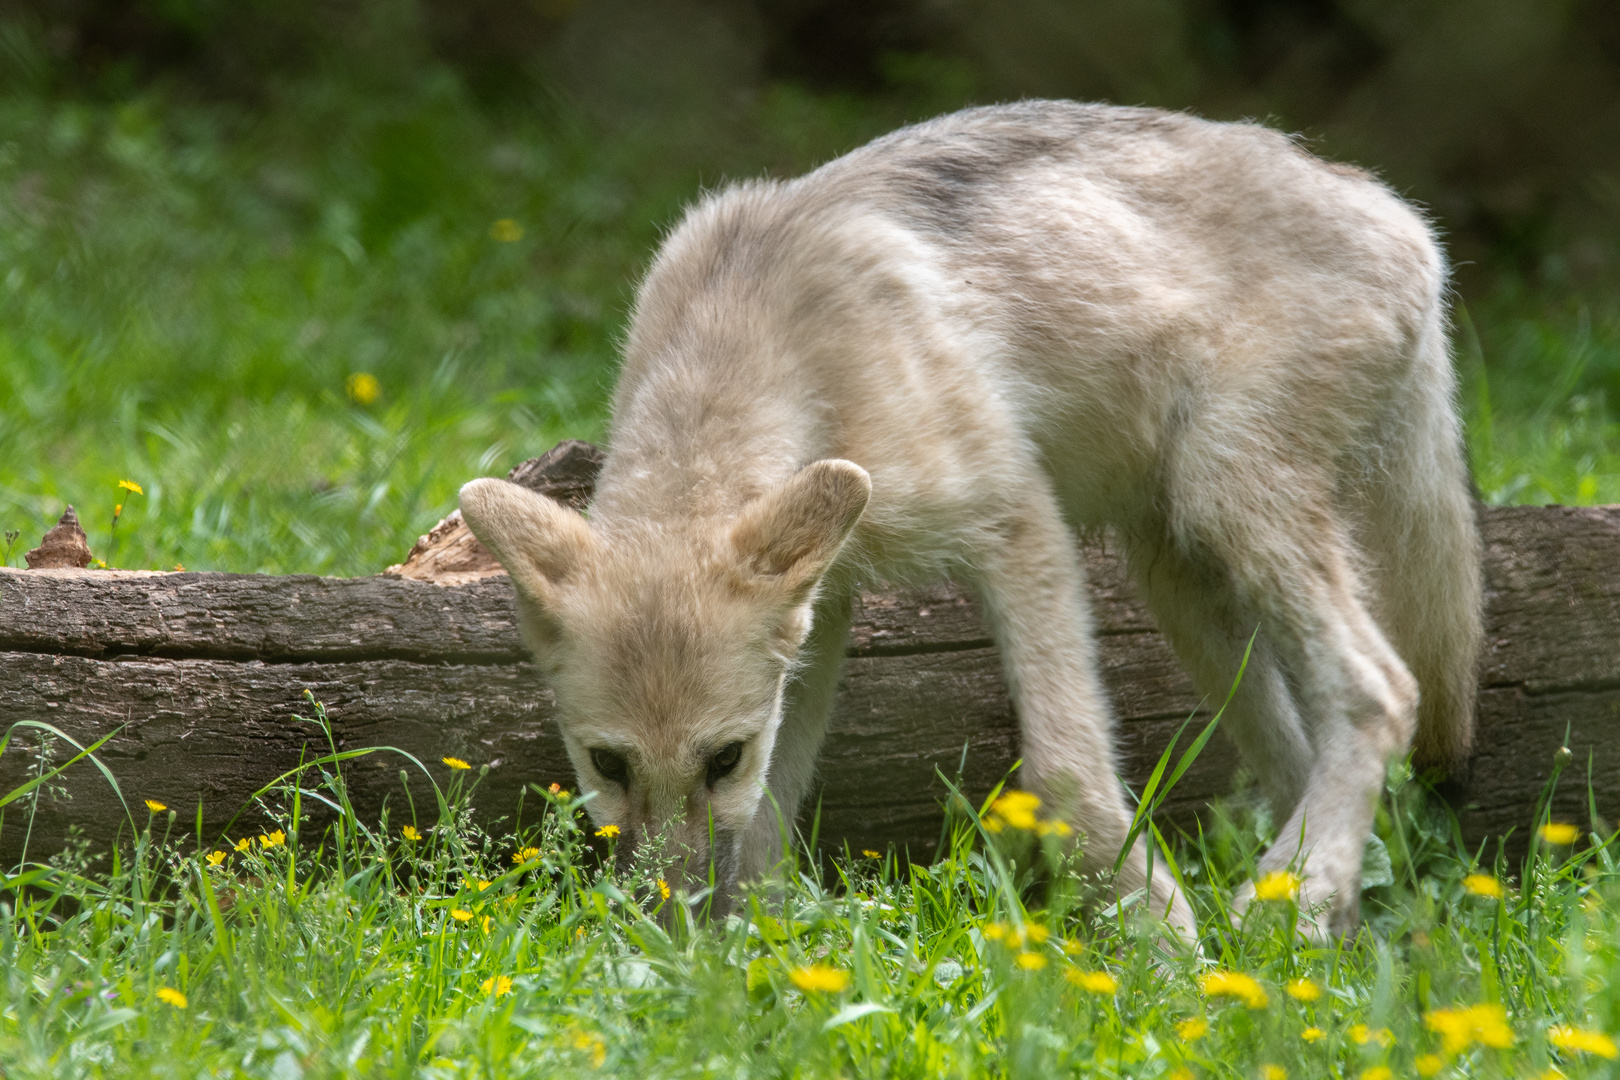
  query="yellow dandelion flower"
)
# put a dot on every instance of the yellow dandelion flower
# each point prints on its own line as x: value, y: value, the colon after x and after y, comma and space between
x: 1234, y: 984
x: 1092, y: 982
x: 1311, y: 1034
x: 1303, y: 990
x: 1183, y: 1073
x: 243, y: 844
x: 663, y: 888
x: 870, y: 854
x: 1273, y: 1072
x: 130, y: 485
x: 497, y: 985
x: 215, y: 858
x: 1192, y: 1030
x: 1458, y: 1028
x: 594, y: 1045
x: 1560, y: 833
x: 179, y: 568
x: 1037, y: 933
x: 155, y: 806
x: 118, y: 509
x: 994, y: 932
x: 1016, y: 808
x: 528, y: 854
x: 1030, y: 961
x: 1483, y: 885
x: 819, y: 977
x: 1491, y: 1027
x: 1277, y: 885
x: 1582, y: 1041
x: 488, y: 922
x: 506, y: 231
x: 1453, y: 1027
x: 363, y: 387
x: 1428, y: 1064
x: 461, y: 914
x: 275, y: 839
x: 1361, y: 1035
x: 409, y: 832
x: 556, y: 789
x: 608, y: 831
x: 172, y: 996
x: 455, y: 763
x: 482, y: 885
x: 1052, y: 828
x: 1378, y: 1072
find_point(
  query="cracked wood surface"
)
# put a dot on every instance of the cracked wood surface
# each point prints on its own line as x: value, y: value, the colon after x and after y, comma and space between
x: 207, y: 671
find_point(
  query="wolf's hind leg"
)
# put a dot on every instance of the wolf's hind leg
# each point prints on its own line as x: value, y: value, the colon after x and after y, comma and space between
x: 1197, y: 610
x: 1030, y: 574
x: 1291, y: 562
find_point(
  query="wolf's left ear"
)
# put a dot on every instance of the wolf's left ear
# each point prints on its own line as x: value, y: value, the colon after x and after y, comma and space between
x: 538, y: 540
x: 793, y: 534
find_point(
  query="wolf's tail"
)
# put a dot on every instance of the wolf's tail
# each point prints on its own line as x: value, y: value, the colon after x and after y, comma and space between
x: 1423, y: 541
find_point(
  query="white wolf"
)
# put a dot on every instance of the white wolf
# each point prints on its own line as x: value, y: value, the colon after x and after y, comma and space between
x: 942, y: 353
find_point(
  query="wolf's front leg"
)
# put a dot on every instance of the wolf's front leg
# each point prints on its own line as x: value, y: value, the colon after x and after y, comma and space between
x: 1034, y: 588
x: 808, y: 701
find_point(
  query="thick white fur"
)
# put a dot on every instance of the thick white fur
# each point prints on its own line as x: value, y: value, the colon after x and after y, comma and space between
x: 1017, y: 321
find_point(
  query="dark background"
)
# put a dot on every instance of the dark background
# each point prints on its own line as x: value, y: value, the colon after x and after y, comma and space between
x: 1501, y: 116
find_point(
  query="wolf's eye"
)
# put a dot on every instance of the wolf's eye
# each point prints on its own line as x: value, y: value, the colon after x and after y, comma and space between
x: 724, y: 760
x: 610, y: 765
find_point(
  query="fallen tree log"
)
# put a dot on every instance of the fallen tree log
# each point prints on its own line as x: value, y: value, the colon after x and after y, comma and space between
x: 204, y: 676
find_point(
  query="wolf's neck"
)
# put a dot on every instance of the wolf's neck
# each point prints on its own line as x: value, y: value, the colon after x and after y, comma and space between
x: 697, y: 437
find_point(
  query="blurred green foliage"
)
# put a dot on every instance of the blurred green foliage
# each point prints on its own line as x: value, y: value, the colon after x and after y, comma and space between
x: 1502, y: 115
x: 213, y: 214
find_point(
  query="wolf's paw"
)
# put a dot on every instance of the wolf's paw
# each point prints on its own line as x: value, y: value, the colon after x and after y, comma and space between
x: 1320, y: 914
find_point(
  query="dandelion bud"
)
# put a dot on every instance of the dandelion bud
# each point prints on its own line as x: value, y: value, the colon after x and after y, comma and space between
x: 405, y: 778
x: 1564, y: 755
x: 483, y: 770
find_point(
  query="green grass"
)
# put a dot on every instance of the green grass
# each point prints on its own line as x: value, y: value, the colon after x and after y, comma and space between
x: 351, y: 949
x: 1538, y: 377
x: 186, y: 287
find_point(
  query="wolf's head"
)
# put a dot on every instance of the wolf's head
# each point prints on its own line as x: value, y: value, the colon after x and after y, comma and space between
x: 668, y: 644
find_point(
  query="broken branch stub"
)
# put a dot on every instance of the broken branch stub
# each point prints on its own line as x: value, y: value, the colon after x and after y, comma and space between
x: 451, y: 555
x: 64, y: 547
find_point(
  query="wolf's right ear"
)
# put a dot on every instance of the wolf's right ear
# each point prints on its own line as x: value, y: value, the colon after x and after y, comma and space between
x: 791, y: 535
x: 539, y: 541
